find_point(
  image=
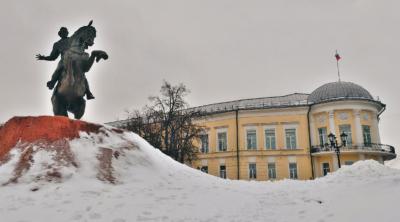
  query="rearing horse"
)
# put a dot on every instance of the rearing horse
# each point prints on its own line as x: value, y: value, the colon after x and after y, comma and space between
x: 70, y: 90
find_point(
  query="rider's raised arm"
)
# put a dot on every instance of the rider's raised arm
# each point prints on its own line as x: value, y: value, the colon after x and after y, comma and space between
x: 54, y: 53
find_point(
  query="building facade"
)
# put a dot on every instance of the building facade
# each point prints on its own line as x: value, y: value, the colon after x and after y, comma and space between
x: 274, y: 138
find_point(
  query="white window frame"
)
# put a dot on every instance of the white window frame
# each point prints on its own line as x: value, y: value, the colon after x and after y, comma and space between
x: 265, y: 138
x: 204, y: 166
x: 208, y: 144
x: 295, y: 127
x: 276, y: 171
x: 297, y: 170
x: 349, y: 135
x: 247, y: 128
x: 219, y: 171
x: 346, y: 163
x: 322, y: 143
x: 322, y: 168
x: 255, y: 170
x: 222, y: 130
x: 363, y: 133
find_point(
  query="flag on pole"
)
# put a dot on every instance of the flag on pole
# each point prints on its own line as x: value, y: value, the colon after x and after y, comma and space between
x: 337, y: 56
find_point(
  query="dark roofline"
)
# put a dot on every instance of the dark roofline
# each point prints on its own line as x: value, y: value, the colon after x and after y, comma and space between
x: 349, y: 98
x: 234, y: 108
x: 240, y: 100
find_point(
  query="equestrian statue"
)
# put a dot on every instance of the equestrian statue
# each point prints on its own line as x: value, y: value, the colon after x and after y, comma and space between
x: 69, y: 75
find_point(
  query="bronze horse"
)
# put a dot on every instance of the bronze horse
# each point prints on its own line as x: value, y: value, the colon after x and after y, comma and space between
x: 70, y: 89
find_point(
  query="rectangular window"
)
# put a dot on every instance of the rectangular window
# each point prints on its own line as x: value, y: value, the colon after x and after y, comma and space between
x: 346, y: 129
x: 293, y: 170
x: 251, y: 135
x: 204, y: 169
x: 349, y: 162
x: 291, y: 139
x: 323, y: 138
x: 367, y: 135
x: 270, y: 141
x: 252, y: 171
x: 204, y: 143
x: 271, y: 171
x: 222, y: 141
x: 222, y: 171
x: 325, y: 168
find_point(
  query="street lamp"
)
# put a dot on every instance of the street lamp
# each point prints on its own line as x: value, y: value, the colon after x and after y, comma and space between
x: 335, y: 145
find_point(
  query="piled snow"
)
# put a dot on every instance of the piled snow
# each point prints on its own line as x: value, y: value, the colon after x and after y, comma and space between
x: 149, y: 186
x: 395, y: 163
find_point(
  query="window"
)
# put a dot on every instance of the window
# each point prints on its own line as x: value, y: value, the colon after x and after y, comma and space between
x: 204, y: 143
x: 346, y: 129
x: 348, y: 163
x: 293, y: 170
x: 222, y: 141
x: 251, y: 135
x: 367, y: 135
x: 271, y: 171
x: 252, y: 171
x: 270, y: 141
x: 204, y: 169
x: 291, y: 139
x: 325, y: 168
x: 222, y: 171
x: 323, y: 138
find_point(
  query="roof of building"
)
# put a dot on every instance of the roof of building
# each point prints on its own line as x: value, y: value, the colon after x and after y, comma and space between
x: 328, y: 92
x: 338, y: 90
x: 295, y: 99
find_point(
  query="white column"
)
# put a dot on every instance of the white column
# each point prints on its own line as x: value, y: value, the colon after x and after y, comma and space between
x: 375, y: 123
x: 333, y: 130
x: 380, y: 159
x: 357, y: 126
x: 335, y: 162
x: 312, y: 132
x: 332, y: 122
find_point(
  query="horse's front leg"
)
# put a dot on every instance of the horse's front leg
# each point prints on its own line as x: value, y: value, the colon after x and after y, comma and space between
x: 96, y: 54
x: 89, y: 62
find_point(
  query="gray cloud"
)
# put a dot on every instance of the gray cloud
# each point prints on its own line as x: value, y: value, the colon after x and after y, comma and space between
x: 222, y: 50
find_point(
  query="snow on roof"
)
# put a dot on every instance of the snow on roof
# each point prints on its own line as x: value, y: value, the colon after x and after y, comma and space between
x: 295, y: 99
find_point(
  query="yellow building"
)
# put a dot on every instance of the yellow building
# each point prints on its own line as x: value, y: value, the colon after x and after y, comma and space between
x: 287, y: 136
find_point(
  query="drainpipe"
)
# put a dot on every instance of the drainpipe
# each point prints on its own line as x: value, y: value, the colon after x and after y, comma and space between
x: 237, y: 143
x: 309, y: 141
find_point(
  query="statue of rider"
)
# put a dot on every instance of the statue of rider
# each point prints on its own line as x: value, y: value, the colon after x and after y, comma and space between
x: 59, y: 48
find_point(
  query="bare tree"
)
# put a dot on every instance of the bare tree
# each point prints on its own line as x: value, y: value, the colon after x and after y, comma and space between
x: 168, y: 123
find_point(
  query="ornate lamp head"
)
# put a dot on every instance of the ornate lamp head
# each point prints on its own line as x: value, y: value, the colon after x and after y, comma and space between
x: 343, y: 137
x: 332, y: 138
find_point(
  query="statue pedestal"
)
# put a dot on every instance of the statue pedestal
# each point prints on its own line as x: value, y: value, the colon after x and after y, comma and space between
x: 49, y: 129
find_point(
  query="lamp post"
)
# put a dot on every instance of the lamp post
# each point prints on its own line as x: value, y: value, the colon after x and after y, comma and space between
x: 336, y: 146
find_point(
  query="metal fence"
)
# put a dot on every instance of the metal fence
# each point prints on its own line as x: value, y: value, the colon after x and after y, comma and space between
x: 364, y: 147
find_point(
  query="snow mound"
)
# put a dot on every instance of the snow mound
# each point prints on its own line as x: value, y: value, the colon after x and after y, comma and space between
x: 361, y: 170
x: 68, y: 170
x: 395, y: 163
x: 68, y: 150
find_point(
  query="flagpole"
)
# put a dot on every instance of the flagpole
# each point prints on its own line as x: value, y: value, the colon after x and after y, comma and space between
x: 337, y: 65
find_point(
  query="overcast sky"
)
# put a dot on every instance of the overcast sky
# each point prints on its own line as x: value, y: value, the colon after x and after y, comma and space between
x: 221, y: 49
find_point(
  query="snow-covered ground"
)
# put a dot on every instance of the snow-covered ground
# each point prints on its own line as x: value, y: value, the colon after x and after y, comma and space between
x: 395, y: 163
x: 150, y: 186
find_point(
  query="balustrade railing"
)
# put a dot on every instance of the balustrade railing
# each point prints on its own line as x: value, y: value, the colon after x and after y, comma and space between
x: 354, y: 147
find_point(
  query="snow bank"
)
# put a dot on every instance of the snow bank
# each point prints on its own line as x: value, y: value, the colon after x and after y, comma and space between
x: 395, y: 163
x: 117, y: 176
